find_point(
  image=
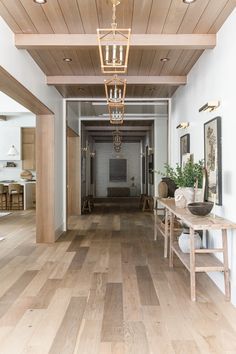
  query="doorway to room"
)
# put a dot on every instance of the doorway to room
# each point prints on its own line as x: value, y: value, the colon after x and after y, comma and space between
x: 108, y: 175
x: 44, y: 147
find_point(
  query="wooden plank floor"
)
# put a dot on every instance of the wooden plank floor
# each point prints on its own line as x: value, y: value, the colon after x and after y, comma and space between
x: 104, y: 288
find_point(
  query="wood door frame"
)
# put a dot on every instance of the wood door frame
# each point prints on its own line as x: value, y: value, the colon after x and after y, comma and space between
x: 45, y: 203
x: 76, y: 208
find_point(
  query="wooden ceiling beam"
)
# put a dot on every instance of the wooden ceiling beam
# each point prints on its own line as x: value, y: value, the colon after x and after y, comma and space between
x: 121, y: 128
x: 129, y: 133
x: 71, y: 41
x: 14, y: 89
x: 131, y: 80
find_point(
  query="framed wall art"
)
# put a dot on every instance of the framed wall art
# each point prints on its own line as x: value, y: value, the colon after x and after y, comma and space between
x: 212, y: 158
x: 118, y: 170
x: 184, y: 146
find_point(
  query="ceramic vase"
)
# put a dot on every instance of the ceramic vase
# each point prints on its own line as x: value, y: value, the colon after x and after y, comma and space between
x: 184, y: 196
x: 171, y: 186
x: 162, y: 190
x: 184, y: 241
x: 199, y: 196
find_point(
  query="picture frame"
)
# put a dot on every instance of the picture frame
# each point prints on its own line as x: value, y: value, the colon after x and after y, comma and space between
x: 118, y: 170
x: 213, y: 160
x: 184, y: 146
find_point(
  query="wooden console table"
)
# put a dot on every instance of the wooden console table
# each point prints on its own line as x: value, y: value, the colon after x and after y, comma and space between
x: 162, y: 225
x: 199, y: 260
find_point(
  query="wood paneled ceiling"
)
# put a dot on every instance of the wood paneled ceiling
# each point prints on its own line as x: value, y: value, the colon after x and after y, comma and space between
x: 131, y: 131
x: 145, y: 17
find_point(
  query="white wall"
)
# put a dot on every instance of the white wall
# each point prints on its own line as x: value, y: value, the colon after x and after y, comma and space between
x: 104, y: 152
x: 213, y: 78
x: 9, y: 106
x: 72, y: 115
x: 23, y: 68
x: 161, y: 148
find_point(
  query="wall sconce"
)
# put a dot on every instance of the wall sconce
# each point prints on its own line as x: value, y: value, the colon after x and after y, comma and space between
x: 209, y: 106
x: 84, y: 149
x: 92, y: 154
x: 183, y: 125
x: 12, y: 151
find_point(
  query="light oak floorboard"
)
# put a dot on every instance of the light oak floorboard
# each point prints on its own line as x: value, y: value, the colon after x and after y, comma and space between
x: 104, y: 288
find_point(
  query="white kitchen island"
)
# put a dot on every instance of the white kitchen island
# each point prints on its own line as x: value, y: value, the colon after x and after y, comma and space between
x: 28, y: 192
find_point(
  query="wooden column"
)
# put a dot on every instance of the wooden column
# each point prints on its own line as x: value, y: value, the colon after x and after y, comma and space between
x: 45, y: 228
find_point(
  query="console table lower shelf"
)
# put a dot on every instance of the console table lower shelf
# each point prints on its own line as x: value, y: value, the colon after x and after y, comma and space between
x: 203, y: 262
x: 198, y: 260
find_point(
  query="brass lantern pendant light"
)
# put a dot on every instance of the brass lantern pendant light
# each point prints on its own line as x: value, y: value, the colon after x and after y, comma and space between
x: 117, y: 140
x: 115, y: 89
x: 116, y: 113
x: 114, y: 46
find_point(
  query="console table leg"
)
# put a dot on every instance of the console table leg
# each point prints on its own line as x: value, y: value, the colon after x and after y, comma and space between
x: 192, y: 266
x: 171, y: 239
x: 166, y: 234
x: 155, y: 225
x: 226, y: 265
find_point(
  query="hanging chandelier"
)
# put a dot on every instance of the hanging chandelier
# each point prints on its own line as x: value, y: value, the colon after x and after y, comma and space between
x: 115, y: 89
x: 114, y: 46
x: 117, y: 140
x: 117, y: 148
x: 116, y: 113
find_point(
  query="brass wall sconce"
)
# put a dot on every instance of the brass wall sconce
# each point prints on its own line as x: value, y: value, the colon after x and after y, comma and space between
x: 182, y: 125
x: 209, y: 106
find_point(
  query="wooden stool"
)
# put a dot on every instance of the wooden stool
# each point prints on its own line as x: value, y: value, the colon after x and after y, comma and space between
x: 3, y: 197
x: 148, y: 203
x: 15, y: 193
x: 86, y: 205
x: 141, y: 200
x: 90, y: 198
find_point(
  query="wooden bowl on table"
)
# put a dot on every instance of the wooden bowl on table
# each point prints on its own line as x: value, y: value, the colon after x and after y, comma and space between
x: 200, y: 208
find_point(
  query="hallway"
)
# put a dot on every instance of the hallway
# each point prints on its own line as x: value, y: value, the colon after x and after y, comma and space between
x: 104, y: 287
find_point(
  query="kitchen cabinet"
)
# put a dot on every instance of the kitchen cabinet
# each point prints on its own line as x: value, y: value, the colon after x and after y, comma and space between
x: 28, y: 149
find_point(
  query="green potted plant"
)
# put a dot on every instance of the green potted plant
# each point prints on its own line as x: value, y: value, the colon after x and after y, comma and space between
x: 187, y: 179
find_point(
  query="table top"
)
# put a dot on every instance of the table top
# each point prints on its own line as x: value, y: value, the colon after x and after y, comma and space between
x: 209, y: 222
x: 6, y: 182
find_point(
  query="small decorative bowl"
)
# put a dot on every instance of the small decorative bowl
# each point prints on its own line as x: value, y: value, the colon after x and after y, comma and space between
x: 200, y: 208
